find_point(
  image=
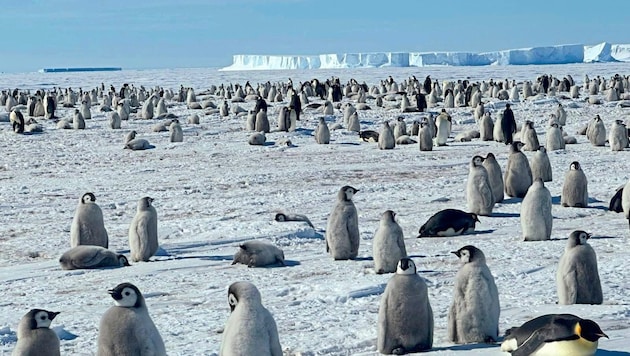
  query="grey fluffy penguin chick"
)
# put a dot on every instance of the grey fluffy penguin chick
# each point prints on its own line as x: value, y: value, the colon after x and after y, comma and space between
x: 577, y: 277
x: 342, y: 230
x: 388, y: 245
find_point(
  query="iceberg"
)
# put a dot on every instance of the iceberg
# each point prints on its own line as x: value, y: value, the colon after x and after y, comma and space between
x: 561, y: 54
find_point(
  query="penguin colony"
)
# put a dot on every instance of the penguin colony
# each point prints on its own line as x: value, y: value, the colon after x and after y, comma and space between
x: 468, y: 322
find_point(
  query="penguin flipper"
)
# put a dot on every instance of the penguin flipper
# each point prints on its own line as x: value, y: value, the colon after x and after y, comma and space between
x: 533, y: 343
x: 570, y: 284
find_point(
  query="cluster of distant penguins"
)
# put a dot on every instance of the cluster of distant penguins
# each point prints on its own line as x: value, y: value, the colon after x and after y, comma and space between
x: 405, y: 320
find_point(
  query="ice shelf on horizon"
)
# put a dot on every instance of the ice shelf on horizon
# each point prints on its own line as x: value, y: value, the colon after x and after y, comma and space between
x: 79, y: 69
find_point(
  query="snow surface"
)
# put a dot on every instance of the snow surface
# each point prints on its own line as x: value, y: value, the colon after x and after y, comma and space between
x: 214, y: 190
x: 561, y: 54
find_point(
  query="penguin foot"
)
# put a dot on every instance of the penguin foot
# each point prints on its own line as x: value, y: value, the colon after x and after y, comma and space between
x: 398, y: 351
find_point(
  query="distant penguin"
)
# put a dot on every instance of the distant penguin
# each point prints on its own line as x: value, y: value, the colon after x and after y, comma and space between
x: 561, y: 115
x: 322, y: 132
x: 143, y: 231
x: 508, y: 124
x: 388, y: 245
x: 49, y: 107
x: 540, y: 165
x: 536, y: 218
x: 127, y: 328
x: 443, y: 123
x: 284, y: 121
x: 257, y: 139
x: 474, y: 314
x: 87, y: 225
x: 618, y: 136
x: 342, y: 230
x: 400, y: 129
x: 368, y: 136
x: 405, y: 317
x: 577, y: 278
x: 518, y: 174
x: 85, y: 110
x: 91, y: 257
x: 596, y: 132
x: 34, y: 336
x: 160, y: 109
x: 529, y: 137
x: 449, y: 222
x: 554, y: 138
x: 497, y: 131
x: 147, y: 110
x: 386, y: 139
x: 138, y: 144
x: 575, y: 187
x: 78, y: 123
x: 283, y: 217
x: 176, y: 134
x: 615, y: 202
x: 354, y: 123
x: 194, y: 120
x: 17, y: 121
x: 262, y: 122
x: 495, y: 177
x: 479, y: 195
x: 250, y: 328
x: 258, y: 253
x: 486, y: 127
x: 425, y: 136
x: 114, y: 120
x: 625, y: 201
x: 553, y: 334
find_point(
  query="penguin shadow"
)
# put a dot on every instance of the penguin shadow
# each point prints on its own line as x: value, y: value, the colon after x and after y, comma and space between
x: 269, y: 143
x: 518, y: 200
x: 365, y: 258
x: 505, y: 215
x: 306, y: 132
x: 480, y: 232
x: 466, y: 347
x: 556, y: 200
x: 350, y: 143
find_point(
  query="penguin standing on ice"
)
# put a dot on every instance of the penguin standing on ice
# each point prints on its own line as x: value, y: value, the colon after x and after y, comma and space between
x: 508, y: 124
x: 575, y: 187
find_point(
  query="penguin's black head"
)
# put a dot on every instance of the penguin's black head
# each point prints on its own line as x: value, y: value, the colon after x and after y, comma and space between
x: 280, y: 217
x: 469, y: 253
x: 575, y: 165
x: 490, y: 155
x: 123, y: 261
x: 347, y: 192
x: 88, y: 198
x: 40, y: 318
x: 474, y: 217
x: 406, y: 267
x: 242, y: 291
x: 477, y: 161
x: 146, y: 202
x: 126, y: 295
x: 589, y: 330
x: 422, y: 231
x: 389, y: 215
x: 579, y: 237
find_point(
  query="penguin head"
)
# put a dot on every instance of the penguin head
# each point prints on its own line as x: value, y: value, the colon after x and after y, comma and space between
x: 516, y: 146
x: 589, y: 330
x: 469, y: 253
x: 574, y: 166
x: 39, y: 318
x: 127, y: 295
x: 280, y: 217
x: 406, y: 267
x: 490, y: 155
x: 388, y: 216
x: 145, y: 202
x: 242, y: 291
x: 542, y: 148
x: 346, y: 193
x: 477, y: 161
x: 474, y: 217
x: 88, y: 198
x: 578, y: 237
x: 123, y: 261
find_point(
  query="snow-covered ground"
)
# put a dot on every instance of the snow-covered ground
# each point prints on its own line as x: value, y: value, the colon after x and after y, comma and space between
x: 214, y: 190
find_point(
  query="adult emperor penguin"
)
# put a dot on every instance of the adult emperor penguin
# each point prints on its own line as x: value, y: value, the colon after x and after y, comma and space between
x: 479, y: 195
x: 388, y: 244
x: 508, y: 124
x: 386, y: 139
x: 143, y: 231
x: 258, y: 253
x: 495, y: 177
x: 342, y: 230
x: 443, y: 122
x: 449, y: 222
x: 554, y: 335
x: 176, y: 134
x: 34, y: 336
x: 518, y: 174
x: 474, y: 315
x: 536, y: 218
x: 540, y: 165
x: 577, y: 278
x: 90, y: 257
x: 575, y: 187
x: 405, y: 317
x: 322, y: 132
x: 127, y: 328
x: 250, y: 328
x: 87, y: 225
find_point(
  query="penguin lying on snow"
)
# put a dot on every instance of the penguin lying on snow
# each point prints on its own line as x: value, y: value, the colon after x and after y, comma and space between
x: 258, y: 253
x: 554, y: 334
x: 449, y: 222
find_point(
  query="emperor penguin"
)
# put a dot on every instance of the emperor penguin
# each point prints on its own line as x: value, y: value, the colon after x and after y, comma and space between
x: 87, y: 225
x: 540, y: 165
x: 250, y: 123
x: 596, y: 132
x: 554, y: 138
x: 49, y: 107
x: 554, y: 334
x: 577, y: 278
x: 575, y: 187
x: 448, y: 222
x: 400, y: 129
x: 479, y: 195
x: 85, y: 110
x: 486, y: 127
x: 353, y: 123
x: 127, y: 328
x: 160, y: 108
x: 78, y: 123
x: 250, y: 328
x: 386, y: 139
x: 262, y: 122
x: 17, y: 120
x: 388, y: 244
x: 497, y: 131
x: 34, y: 336
x: 536, y: 218
x: 284, y: 121
x: 625, y: 201
x: 474, y: 315
x: 443, y: 122
x: 258, y: 253
x: 495, y: 177
x: 529, y: 137
x: 342, y: 230
x: 143, y: 231
x: 176, y: 134
x: 147, y: 110
x: 518, y: 174
x: 561, y: 114
x: 90, y: 257
x: 405, y: 317
x: 425, y: 136
x: 114, y: 120
x: 618, y: 136
x: 322, y: 132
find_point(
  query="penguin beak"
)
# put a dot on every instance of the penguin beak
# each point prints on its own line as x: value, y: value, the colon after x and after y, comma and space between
x: 117, y: 295
x: 52, y: 315
x: 456, y: 253
x: 588, y: 235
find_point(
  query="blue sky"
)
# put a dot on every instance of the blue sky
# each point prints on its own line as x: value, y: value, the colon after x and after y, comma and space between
x: 196, y: 33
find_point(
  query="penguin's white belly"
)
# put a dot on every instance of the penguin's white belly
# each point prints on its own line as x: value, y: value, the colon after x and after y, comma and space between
x: 450, y: 232
x: 579, y: 347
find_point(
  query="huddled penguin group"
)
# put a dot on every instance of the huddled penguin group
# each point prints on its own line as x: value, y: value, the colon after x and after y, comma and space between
x: 405, y: 315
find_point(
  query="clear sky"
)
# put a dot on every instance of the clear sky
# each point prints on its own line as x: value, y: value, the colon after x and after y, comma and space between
x: 136, y: 34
